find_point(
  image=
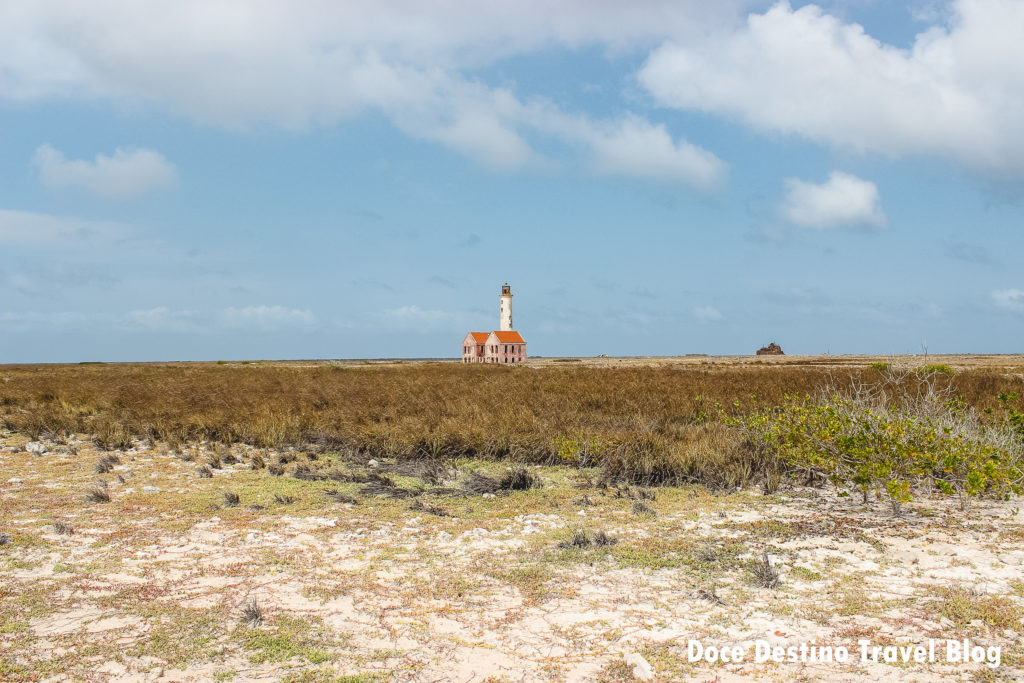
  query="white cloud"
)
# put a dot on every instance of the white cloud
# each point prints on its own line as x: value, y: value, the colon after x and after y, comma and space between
x: 310, y: 63
x: 27, y: 321
x: 169, y: 320
x: 706, y: 314
x: 957, y: 92
x: 843, y: 200
x: 127, y: 174
x: 268, y: 318
x: 1009, y: 300
x: 28, y: 229
x: 414, y: 318
x: 164, y: 319
x: 634, y: 147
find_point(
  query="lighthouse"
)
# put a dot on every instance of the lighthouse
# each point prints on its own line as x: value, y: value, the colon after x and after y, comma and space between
x: 506, y: 308
x: 504, y: 346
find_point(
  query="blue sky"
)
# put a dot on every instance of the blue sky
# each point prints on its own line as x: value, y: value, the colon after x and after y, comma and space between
x: 222, y: 180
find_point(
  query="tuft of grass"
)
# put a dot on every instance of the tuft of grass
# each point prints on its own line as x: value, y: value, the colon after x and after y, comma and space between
x: 429, y: 508
x: 337, y: 497
x: 98, y: 494
x: 383, y: 485
x: 5, y: 538
x: 282, y: 499
x: 204, y: 472
x: 764, y: 574
x: 257, y: 462
x: 252, y: 614
x: 519, y: 479
x: 231, y: 499
x: 106, y: 463
x: 514, y: 479
x: 935, y: 369
x: 434, y: 472
x: 275, y: 470
x: 579, y: 540
x: 111, y: 434
x: 480, y: 483
x: 63, y: 528
x: 642, y: 508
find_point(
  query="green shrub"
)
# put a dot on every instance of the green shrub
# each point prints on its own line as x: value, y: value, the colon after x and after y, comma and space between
x: 1014, y: 419
x: 875, y: 441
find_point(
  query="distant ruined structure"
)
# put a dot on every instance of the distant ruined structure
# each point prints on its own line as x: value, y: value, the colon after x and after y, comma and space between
x: 500, y: 346
x: 772, y: 349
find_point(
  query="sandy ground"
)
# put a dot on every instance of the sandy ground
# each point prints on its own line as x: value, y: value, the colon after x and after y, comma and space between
x: 151, y: 586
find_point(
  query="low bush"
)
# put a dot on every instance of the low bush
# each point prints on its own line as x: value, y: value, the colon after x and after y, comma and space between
x: 882, y: 438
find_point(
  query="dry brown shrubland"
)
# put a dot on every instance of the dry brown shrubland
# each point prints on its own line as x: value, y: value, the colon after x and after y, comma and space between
x: 652, y: 424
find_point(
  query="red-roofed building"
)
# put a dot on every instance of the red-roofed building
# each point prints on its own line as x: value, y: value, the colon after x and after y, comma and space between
x: 505, y: 346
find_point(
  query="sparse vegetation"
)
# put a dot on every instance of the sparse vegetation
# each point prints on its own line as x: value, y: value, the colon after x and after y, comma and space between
x: 642, y: 425
x: 579, y: 540
x: 98, y: 494
x: 106, y: 464
x: 337, y: 497
x: 893, y: 437
x: 532, y: 519
x: 642, y: 508
x: 963, y: 606
x: 429, y: 508
x: 764, y: 574
x: 252, y: 614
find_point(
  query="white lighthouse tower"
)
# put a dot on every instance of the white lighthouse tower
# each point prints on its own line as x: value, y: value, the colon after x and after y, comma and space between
x: 505, y: 346
x: 506, y: 308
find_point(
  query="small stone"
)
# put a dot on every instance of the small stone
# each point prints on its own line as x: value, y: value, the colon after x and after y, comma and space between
x: 151, y: 489
x: 373, y: 463
x: 37, y: 447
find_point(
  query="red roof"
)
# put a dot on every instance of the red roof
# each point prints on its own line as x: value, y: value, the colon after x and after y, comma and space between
x: 479, y: 337
x: 509, y: 337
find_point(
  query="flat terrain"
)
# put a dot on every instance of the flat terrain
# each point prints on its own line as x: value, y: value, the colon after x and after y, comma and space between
x: 389, y: 565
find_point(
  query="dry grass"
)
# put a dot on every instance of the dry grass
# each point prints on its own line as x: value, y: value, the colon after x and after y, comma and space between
x: 252, y: 614
x: 764, y: 574
x: 654, y: 425
x: 98, y: 494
